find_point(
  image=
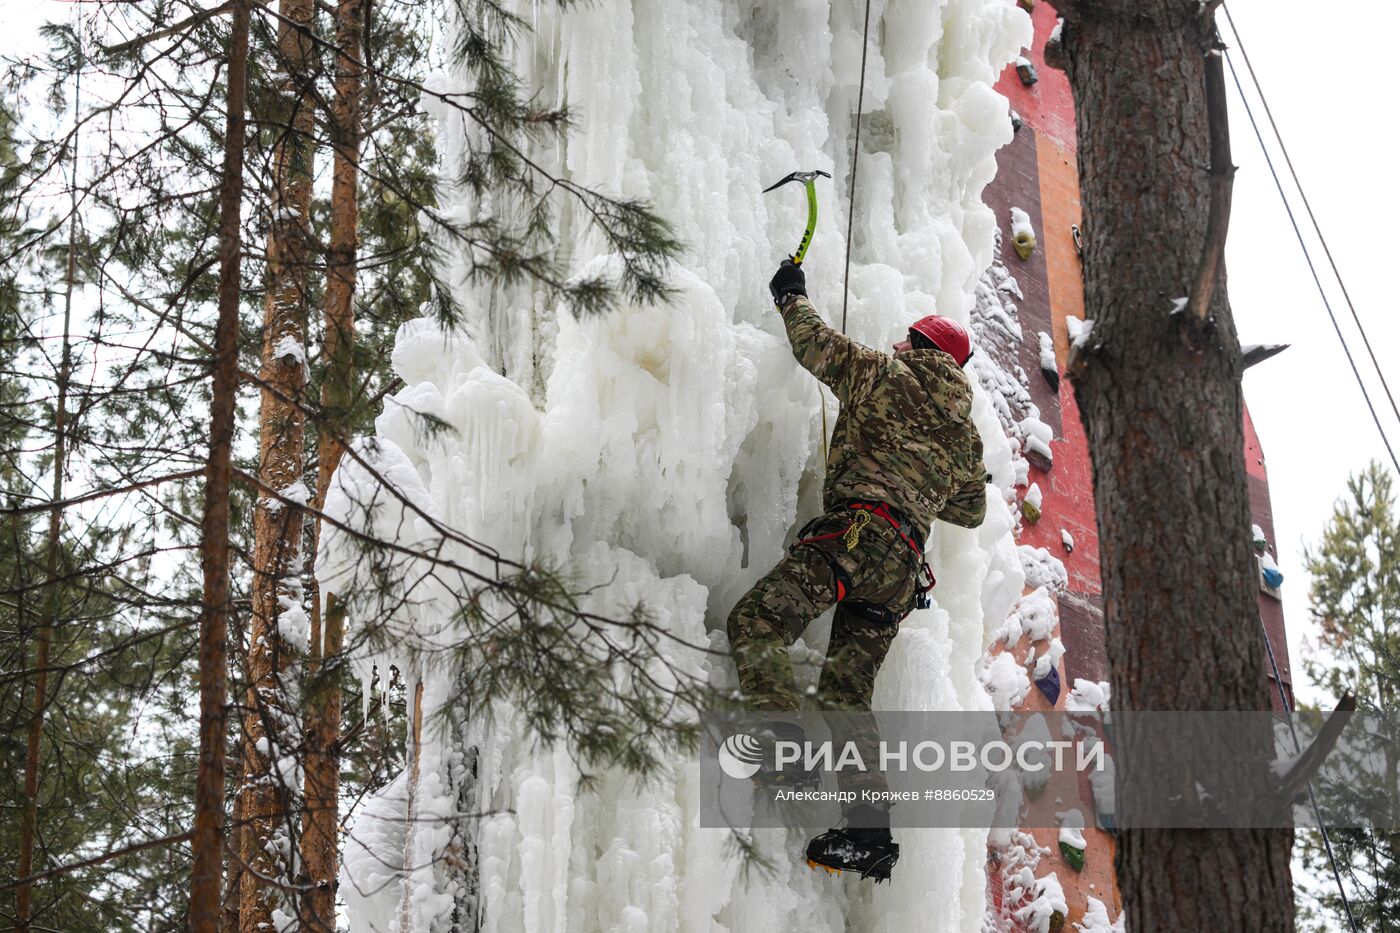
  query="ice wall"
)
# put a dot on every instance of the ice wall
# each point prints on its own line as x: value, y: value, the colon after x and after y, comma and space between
x: 665, y: 453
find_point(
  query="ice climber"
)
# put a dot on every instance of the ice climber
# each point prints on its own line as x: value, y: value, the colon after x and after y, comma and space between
x: 904, y: 452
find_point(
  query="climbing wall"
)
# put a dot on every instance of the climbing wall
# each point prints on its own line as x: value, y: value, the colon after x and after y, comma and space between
x: 1037, y: 174
x: 1036, y: 187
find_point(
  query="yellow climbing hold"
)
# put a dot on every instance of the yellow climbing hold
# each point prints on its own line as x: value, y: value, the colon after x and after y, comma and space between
x: 1030, y: 510
x: 1024, y: 241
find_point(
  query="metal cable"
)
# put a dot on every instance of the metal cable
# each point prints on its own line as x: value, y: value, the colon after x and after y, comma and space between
x: 1311, y: 267
x: 1312, y: 797
x: 1307, y: 205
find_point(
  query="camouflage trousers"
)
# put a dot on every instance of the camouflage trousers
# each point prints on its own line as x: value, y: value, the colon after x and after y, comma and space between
x: 881, y: 569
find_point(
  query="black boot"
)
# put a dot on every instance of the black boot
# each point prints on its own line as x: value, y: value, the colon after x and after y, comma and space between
x: 864, y: 845
x: 793, y: 774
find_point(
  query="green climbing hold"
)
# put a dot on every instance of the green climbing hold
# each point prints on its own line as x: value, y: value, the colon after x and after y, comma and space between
x: 1057, y: 921
x: 1073, y: 855
x: 1030, y: 510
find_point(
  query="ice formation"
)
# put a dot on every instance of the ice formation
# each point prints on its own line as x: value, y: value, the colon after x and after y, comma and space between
x: 665, y: 453
x: 1035, y: 615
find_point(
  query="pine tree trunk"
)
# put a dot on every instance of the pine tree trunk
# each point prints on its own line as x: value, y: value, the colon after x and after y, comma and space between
x: 320, y: 835
x: 208, y: 842
x: 269, y: 728
x: 1162, y: 406
x: 29, y: 818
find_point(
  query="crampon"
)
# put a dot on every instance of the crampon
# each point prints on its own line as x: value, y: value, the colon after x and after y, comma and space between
x: 871, y: 852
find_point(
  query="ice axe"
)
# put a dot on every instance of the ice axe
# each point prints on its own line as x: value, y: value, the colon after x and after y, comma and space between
x: 808, y: 179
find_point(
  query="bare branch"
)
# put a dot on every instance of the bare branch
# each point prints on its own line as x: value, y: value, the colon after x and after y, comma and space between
x: 98, y: 859
x: 102, y: 493
x: 1222, y: 182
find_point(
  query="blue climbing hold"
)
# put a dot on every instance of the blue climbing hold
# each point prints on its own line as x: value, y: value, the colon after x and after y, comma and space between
x: 1050, y: 685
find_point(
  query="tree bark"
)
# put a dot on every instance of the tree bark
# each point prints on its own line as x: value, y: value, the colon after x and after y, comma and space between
x: 410, y: 844
x: 1162, y: 407
x: 269, y: 727
x: 29, y: 817
x: 208, y: 843
x: 321, y: 824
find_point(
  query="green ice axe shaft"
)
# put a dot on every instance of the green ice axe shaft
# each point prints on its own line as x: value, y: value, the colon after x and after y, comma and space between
x: 808, y: 179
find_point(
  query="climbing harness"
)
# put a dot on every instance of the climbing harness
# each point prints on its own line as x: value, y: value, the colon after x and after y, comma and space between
x: 905, y: 529
x: 850, y: 538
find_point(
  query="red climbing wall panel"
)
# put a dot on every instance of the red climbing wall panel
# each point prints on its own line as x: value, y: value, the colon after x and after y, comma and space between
x: 1270, y: 608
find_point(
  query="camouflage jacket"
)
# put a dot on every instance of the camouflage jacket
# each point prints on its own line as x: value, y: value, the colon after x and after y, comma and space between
x: 905, y: 434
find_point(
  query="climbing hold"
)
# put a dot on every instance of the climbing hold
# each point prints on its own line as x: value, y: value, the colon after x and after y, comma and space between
x: 1038, y: 455
x: 1025, y: 70
x: 1030, y: 505
x: 1022, y: 233
x: 1027, y: 5
x: 1050, y: 685
x: 1268, y: 567
x: 1031, y: 788
x: 1057, y: 921
x: 1030, y: 510
x: 1049, y: 368
x: 1074, y: 856
x: 1024, y: 243
x: 1072, y: 844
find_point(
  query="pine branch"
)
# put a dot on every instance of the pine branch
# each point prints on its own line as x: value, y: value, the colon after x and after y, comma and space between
x: 98, y: 859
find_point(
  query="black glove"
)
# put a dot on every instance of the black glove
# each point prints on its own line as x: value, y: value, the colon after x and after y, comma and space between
x: 788, y: 280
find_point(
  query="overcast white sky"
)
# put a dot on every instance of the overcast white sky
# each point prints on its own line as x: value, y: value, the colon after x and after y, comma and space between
x: 1331, y: 76
x: 1329, y: 79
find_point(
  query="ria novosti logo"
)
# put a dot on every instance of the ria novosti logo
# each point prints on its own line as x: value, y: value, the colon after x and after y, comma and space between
x: 740, y: 756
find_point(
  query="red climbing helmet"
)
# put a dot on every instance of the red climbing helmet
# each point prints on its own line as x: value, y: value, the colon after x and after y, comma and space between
x: 945, y: 334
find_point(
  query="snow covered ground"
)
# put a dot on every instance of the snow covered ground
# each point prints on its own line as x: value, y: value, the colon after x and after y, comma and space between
x: 664, y: 453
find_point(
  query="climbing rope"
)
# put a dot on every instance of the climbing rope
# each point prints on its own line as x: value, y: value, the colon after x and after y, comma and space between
x: 855, y: 159
x: 1312, y: 797
x: 1307, y: 205
x: 851, y: 205
x: 1307, y: 254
